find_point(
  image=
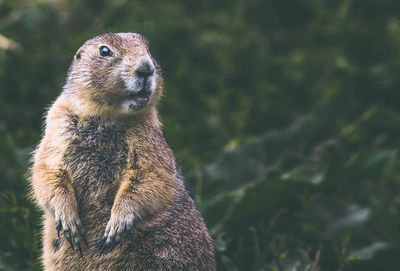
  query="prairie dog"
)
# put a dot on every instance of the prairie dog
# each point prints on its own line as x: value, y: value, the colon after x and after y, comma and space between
x: 104, y: 175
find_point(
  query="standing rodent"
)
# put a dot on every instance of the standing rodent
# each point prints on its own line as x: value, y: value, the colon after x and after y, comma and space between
x: 104, y: 175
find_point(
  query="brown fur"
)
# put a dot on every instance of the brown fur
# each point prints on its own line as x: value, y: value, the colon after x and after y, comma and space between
x: 102, y: 165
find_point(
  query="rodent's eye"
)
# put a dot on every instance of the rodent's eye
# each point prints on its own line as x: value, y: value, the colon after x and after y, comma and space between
x: 105, y: 51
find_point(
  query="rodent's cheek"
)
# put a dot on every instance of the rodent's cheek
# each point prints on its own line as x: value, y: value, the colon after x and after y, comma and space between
x: 131, y: 83
x: 97, y: 81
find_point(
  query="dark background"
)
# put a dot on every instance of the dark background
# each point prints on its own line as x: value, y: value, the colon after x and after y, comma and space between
x: 283, y: 115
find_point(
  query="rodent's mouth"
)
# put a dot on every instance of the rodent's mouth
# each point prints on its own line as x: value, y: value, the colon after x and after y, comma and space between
x: 140, y: 99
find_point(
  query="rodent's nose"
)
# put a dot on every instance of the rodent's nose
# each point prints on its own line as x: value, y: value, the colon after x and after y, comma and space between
x: 144, y: 70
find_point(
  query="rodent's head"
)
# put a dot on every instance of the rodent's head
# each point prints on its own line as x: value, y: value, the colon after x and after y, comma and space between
x: 115, y: 73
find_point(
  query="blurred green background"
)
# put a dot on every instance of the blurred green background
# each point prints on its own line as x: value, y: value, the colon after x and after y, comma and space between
x: 283, y: 115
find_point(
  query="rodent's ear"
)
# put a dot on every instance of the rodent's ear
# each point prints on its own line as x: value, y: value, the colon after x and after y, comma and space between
x: 78, y: 54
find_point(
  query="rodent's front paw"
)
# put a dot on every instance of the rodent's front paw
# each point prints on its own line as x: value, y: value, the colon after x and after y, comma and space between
x: 116, y: 228
x: 72, y: 229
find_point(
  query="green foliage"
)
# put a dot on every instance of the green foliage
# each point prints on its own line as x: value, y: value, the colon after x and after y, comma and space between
x: 283, y: 116
x: 17, y: 213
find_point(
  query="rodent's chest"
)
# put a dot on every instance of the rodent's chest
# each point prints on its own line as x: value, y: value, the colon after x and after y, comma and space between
x: 96, y: 155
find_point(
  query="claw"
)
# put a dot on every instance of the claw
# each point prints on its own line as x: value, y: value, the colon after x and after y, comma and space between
x: 84, y: 240
x: 116, y: 242
x: 103, y: 240
x: 67, y: 235
x: 104, y: 244
x: 109, y: 243
x: 113, y: 235
x: 78, y: 244
x: 103, y: 247
x: 82, y: 233
x: 58, y: 227
x: 72, y: 230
